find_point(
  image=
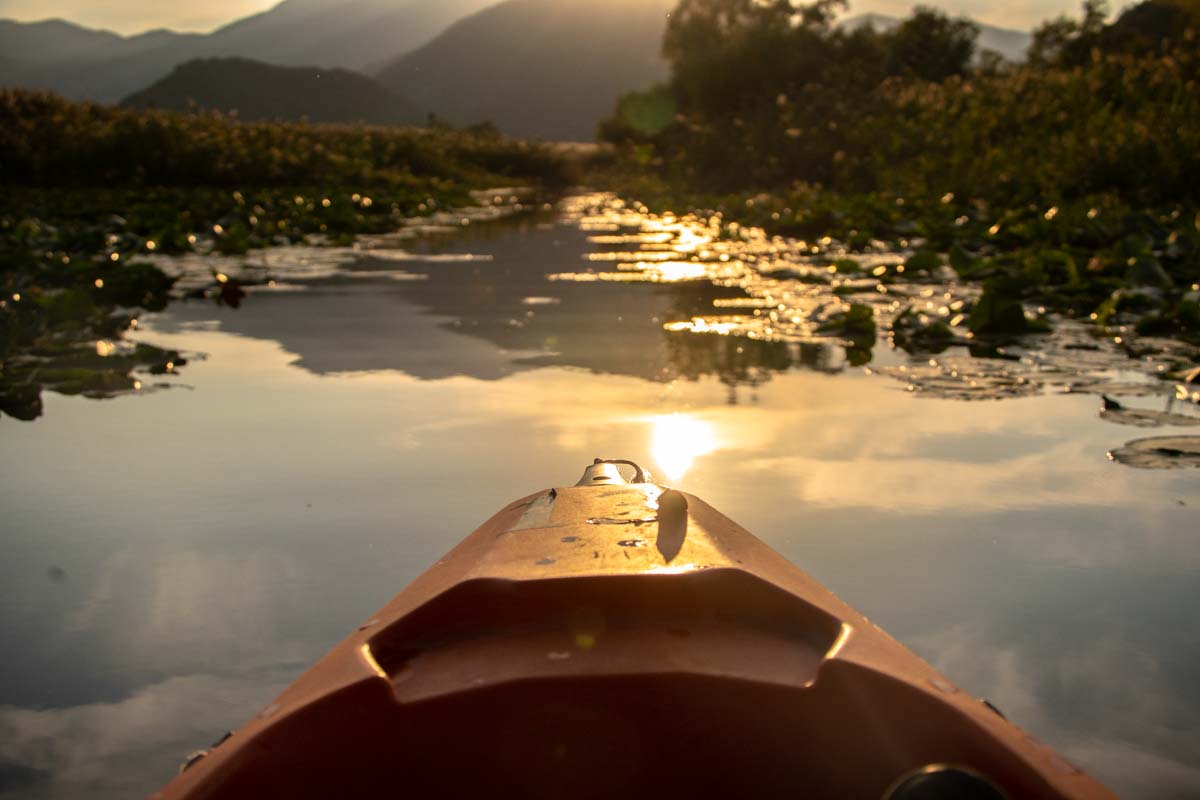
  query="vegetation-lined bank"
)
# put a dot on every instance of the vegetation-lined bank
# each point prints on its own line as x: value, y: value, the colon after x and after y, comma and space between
x: 1068, y: 181
x: 87, y: 190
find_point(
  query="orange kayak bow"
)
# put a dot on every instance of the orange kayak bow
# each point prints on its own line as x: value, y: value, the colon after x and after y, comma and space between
x: 618, y: 638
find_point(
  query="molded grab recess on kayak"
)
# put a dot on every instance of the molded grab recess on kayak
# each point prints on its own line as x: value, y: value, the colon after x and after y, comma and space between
x: 492, y: 631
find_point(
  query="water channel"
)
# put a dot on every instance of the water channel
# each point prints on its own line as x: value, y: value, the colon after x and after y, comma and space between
x: 173, y: 556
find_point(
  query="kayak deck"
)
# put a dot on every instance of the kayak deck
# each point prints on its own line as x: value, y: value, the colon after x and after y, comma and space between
x: 619, y: 638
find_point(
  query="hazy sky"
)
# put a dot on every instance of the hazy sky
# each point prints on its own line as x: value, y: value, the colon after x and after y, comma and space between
x: 134, y: 16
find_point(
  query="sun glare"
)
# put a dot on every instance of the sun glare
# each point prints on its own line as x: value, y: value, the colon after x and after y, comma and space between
x: 677, y: 440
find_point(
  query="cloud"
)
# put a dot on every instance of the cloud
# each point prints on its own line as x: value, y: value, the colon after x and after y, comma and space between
x: 105, y: 750
x: 1038, y: 685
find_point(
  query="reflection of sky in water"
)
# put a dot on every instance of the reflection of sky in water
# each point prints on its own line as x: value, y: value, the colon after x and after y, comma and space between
x: 677, y: 441
x: 170, y: 561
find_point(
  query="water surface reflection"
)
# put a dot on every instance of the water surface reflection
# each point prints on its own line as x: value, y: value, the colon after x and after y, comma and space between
x: 171, y: 560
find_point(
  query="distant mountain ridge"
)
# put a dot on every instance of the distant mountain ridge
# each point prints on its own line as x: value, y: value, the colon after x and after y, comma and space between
x: 57, y: 40
x: 257, y: 91
x: 1012, y: 44
x: 86, y: 64
x: 543, y: 69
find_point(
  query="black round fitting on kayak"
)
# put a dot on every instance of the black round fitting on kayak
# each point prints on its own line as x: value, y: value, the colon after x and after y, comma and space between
x: 943, y: 782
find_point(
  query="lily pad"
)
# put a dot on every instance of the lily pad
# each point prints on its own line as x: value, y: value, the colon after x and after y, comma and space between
x: 918, y: 332
x: 1160, y: 452
x: 999, y: 310
x: 1142, y: 417
x: 856, y: 322
x: 21, y: 402
x: 923, y: 261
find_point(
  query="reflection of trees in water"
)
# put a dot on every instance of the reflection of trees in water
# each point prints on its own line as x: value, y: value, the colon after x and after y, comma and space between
x: 471, y: 318
x: 697, y: 298
x: 738, y: 361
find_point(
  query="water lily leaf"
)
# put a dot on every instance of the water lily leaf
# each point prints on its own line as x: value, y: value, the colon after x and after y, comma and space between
x: 1115, y: 412
x: 962, y: 262
x: 137, y: 283
x: 856, y: 322
x: 924, y: 261
x: 1160, y: 452
x: 914, y: 332
x: 23, y: 402
x: 1144, y: 270
x: 999, y: 309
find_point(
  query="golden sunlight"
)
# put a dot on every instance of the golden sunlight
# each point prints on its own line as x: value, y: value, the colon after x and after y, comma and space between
x: 677, y: 440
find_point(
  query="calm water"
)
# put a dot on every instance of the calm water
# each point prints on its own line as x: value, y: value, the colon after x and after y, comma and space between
x: 170, y: 559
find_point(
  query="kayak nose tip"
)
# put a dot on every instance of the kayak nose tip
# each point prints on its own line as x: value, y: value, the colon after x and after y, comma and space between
x: 606, y: 472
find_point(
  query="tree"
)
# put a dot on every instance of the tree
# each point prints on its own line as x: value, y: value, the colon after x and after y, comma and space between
x: 728, y: 54
x: 931, y: 46
x: 1050, y: 40
x: 1068, y: 42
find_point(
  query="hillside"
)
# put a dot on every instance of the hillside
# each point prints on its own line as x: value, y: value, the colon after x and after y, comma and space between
x: 258, y: 91
x: 537, y: 68
x: 339, y: 33
x: 86, y: 64
x: 1011, y: 44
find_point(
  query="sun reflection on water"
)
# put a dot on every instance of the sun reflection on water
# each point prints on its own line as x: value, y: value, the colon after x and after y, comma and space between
x: 677, y: 440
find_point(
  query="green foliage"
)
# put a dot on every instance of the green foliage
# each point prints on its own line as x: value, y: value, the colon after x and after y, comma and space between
x: 931, y: 46
x: 1123, y: 124
x: 1064, y: 39
x: 50, y: 142
x: 1142, y: 29
x: 857, y: 323
x: 962, y: 262
x: 916, y: 332
x: 773, y: 97
x: 999, y: 310
x: 923, y: 261
x: 1183, y: 321
x: 762, y: 88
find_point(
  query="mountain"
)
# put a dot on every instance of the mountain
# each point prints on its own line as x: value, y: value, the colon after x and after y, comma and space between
x: 54, y: 38
x: 86, y: 64
x: 545, y: 69
x: 258, y: 91
x: 339, y: 33
x: 1011, y: 44
x: 56, y: 41
x: 81, y: 63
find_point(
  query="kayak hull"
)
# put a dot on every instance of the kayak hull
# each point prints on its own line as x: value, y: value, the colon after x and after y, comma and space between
x: 619, y: 638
